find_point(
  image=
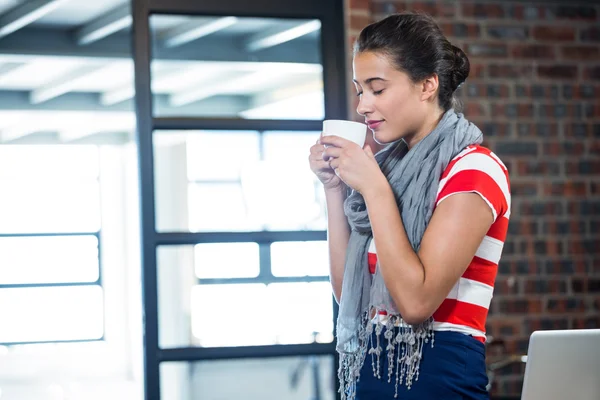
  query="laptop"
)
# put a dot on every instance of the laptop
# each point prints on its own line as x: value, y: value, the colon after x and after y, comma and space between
x: 563, y: 365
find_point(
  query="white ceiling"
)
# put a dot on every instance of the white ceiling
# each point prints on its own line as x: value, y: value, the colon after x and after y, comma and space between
x: 270, y: 89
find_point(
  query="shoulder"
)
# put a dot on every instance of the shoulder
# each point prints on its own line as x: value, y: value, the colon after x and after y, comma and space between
x: 477, y: 169
x: 476, y: 157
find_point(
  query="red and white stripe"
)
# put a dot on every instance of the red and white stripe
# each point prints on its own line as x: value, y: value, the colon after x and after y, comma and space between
x: 465, y: 309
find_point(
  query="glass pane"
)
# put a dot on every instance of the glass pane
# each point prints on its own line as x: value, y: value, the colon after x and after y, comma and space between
x: 290, y: 378
x: 51, y: 313
x: 221, y: 156
x: 55, y: 162
x: 255, y: 313
x: 281, y: 313
x: 300, y: 258
x: 49, y: 206
x: 230, y: 315
x: 265, y: 68
x: 227, y: 260
x: 219, y: 181
x: 48, y: 259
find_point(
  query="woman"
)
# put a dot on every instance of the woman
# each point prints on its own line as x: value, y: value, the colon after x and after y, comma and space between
x: 414, y: 248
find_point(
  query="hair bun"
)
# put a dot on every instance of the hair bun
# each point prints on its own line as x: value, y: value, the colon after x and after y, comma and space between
x: 461, y: 68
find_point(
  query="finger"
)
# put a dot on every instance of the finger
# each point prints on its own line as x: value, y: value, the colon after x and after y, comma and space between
x: 369, y: 151
x: 336, y: 141
x: 330, y: 152
x: 334, y: 163
x: 317, y: 149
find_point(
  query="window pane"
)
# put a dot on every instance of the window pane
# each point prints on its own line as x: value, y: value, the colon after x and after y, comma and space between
x: 48, y: 259
x: 227, y: 260
x: 231, y: 315
x: 275, y: 314
x: 236, y: 314
x: 51, y: 161
x: 300, y: 258
x: 290, y: 378
x: 219, y: 156
x: 304, y: 312
x: 49, y: 206
x: 219, y: 207
x: 220, y: 181
x: 51, y: 313
x: 238, y: 67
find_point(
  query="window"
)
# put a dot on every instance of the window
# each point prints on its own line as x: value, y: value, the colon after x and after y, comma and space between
x: 241, y: 182
x: 50, y: 276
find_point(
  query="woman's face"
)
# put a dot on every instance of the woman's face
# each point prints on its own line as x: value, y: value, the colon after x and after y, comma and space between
x: 391, y: 103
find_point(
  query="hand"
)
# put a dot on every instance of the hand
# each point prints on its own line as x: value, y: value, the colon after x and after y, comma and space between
x: 355, y: 166
x: 322, y: 169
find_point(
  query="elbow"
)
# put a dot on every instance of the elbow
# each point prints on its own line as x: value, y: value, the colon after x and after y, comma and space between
x: 414, y: 312
x: 415, y: 318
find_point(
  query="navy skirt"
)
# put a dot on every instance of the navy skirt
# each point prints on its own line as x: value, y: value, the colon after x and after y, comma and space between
x: 453, y: 369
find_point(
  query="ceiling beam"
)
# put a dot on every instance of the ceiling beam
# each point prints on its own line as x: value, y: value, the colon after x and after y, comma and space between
x: 216, y: 106
x: 195, y: 30
x: 279, y: 35
x: 63, y: 84
x: 26, y: 13
x: 8, y: 67
x: 105, y: 25
x: 26, y: 43
x: 237, y: 82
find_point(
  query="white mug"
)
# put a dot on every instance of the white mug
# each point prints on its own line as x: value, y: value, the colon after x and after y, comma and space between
x: 350, y: 130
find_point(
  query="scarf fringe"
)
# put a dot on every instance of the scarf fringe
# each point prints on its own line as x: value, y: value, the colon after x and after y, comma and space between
x: 404, y: 350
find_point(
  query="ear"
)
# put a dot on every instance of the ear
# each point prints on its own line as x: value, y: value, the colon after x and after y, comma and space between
x: 429, y: 88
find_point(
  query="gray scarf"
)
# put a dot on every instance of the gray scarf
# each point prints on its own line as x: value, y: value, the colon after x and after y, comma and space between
x: 414, y: 177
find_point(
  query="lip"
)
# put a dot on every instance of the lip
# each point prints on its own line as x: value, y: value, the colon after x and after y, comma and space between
x: 374, y: 124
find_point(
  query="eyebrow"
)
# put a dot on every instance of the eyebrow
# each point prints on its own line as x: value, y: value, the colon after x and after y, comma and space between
x: 368, y: 81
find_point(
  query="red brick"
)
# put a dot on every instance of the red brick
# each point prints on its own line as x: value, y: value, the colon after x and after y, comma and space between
x: 554, y: 33
x: 563, y: 148
x: 570, y: 189
x: 591, y: 322
x: 509, y: 71
x: 529, y: 12
x: 439, y: 8
x: 537, y: 167
x: 487, y: 50
x: 460, y: 30
x: 523, y: 189
x: 533, y: 51
x: 504, y: 286
x: 557, y: 71
x: 388, y: 7
x: 583, y: 247
x: 583, y: 167
x: 483, y: 10
x: 581, y: 53
x: 521, y: 306
x: 359, y: 4
x: 546, y: 323
x: 474, y: 110
x: 477, y: 70
x: 544, y: 285
x: 359, y: 21
x: 592, y: 73
x: 504, y: 327
x: 565, y: 305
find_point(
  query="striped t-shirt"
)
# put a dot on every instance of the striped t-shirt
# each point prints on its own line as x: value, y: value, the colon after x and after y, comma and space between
x: 475, y: 170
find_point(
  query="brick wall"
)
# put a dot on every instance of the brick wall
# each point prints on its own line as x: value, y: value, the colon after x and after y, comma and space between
x: 534, y: 90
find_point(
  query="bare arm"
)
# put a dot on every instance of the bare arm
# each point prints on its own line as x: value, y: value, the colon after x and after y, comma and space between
x: 338, y: 234
x: 420, y: 282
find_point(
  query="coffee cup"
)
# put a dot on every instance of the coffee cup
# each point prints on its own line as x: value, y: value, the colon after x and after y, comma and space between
x: 350, y: 130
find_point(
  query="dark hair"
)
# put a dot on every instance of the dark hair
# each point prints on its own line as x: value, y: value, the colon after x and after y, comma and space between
x: 418, y: 47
